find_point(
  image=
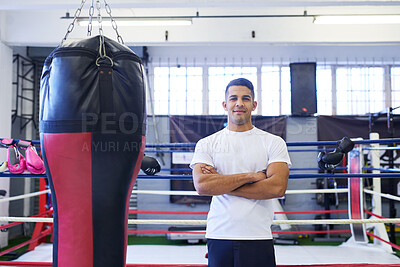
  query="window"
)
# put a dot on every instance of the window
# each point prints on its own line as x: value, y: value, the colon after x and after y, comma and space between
x: 286, y: 94
x: 218, y: 79
x: 360, y: 90
x: 395, y: 71
x: 178, y: 90
x: 324, y: 90
x: 270, y: 91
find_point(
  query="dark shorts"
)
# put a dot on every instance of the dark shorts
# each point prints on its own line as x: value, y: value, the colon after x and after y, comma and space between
x: 241, y: 253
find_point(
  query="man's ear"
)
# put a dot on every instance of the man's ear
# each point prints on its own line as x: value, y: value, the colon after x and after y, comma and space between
x: 224, y: 105
x: 254, y: 105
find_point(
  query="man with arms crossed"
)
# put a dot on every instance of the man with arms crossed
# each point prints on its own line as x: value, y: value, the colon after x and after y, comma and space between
x: 243, y: 168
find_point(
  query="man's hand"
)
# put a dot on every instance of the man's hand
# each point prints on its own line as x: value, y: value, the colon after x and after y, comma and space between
x: 272, y: 184
x: 208, y: 181
x: 208, y: 169
x: 258, y: 176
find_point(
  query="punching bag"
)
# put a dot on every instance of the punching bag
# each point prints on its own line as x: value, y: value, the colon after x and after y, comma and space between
x: 92, y: 136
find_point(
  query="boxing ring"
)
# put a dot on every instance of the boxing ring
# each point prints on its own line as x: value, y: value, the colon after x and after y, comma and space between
x: 368, y: 244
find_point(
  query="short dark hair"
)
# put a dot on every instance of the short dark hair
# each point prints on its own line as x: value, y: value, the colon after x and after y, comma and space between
x: 241, y: 82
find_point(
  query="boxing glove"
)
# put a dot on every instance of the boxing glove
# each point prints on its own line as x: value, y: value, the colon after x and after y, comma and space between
x: 150, y: 166
x: 329, y: 161
x: 16, y: 161
x: 34, y: 163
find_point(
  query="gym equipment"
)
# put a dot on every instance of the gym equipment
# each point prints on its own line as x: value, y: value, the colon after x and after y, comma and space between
x: 92, y: 135
x: 150, y: 165
x: 34, y: 163
x: 16, y: 162
x: 329, y: 161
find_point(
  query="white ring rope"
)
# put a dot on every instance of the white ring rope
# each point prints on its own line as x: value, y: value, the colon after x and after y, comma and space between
x: 24, y: 196
x: 203, y: 222
x: 382, y: 194
x: 194, y: 193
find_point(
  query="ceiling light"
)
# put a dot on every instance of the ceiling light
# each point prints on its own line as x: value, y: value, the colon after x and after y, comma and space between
x: 357, y: 19
x: 140, y: 22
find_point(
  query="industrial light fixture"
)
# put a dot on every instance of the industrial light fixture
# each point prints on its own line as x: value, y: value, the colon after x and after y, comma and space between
x: 188, y: 20
x: 140, y: 22
x: 357, y: 19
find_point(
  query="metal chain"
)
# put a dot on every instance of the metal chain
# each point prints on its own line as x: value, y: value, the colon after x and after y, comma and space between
x: 72, y: 24
x: 113, y: 22
x: 91, y: 13
x: 102, y: 47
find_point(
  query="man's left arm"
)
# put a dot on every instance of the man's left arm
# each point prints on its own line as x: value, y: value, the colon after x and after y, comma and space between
x: 274, y: 186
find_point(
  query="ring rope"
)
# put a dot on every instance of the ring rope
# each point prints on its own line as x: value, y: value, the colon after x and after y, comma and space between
x: 50, y: 264
x: 203, y: 232
x: 206, y: 212
x: 203, y: 222
x: 384, y: 241
x: 312, y: 143
x: 381, y: 148
x: 377, y: 216
x: 382, y: 194
x: 189, y: 177
x: 381, y: 169
x: 42, y: 234
x: 8, y: 225
x: 194, y: 193
x: 25, y: 196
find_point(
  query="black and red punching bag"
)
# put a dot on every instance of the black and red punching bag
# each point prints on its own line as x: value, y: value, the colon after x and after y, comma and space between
x: 92, y: 135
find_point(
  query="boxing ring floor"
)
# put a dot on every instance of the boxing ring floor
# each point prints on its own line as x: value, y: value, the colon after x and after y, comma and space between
x: 285, y: 254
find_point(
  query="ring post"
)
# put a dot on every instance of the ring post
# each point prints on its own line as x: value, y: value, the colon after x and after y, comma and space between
x: 356, y: 190
x: 379, y: 228
x: 375, y: 162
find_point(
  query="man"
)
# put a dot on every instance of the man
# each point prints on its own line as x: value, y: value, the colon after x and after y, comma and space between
x: 243, y: 168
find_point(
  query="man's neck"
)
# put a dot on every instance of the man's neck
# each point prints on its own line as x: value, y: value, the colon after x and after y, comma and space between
x: 239, y: 128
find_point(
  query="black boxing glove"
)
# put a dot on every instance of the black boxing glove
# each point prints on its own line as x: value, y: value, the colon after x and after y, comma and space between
x: 329, y: 161
x: 150, y: 166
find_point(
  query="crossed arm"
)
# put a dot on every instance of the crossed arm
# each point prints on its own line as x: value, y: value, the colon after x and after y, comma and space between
x: 253, y: 185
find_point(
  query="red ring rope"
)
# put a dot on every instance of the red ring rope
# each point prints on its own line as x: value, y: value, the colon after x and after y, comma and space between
x: 43, y: 234
x: 387, y: 242
x: 203, y: 232
x: 377, y: 216
x: 42, y: 264
x: 45, y: 264
x: 167, y: 212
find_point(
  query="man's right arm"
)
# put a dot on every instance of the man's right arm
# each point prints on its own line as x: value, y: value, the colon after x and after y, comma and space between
x: 212, y: 183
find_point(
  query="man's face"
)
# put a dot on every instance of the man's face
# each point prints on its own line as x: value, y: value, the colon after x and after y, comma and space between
x: 239, y: 103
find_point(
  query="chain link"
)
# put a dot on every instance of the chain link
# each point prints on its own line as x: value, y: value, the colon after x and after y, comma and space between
x: 91, y: 13
x: 102, y: 47
x: 113, y: 22
x: 72, y: 24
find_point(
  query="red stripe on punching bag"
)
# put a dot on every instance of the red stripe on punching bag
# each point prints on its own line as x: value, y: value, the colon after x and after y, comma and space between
x: 69, y: 157
x: 134, y: 176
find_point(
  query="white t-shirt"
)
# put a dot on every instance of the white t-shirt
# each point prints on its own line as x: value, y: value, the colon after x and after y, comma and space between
x: 229, y: 152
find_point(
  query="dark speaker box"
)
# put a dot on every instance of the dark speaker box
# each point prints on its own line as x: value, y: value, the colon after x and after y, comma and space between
x: 303, y: 88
